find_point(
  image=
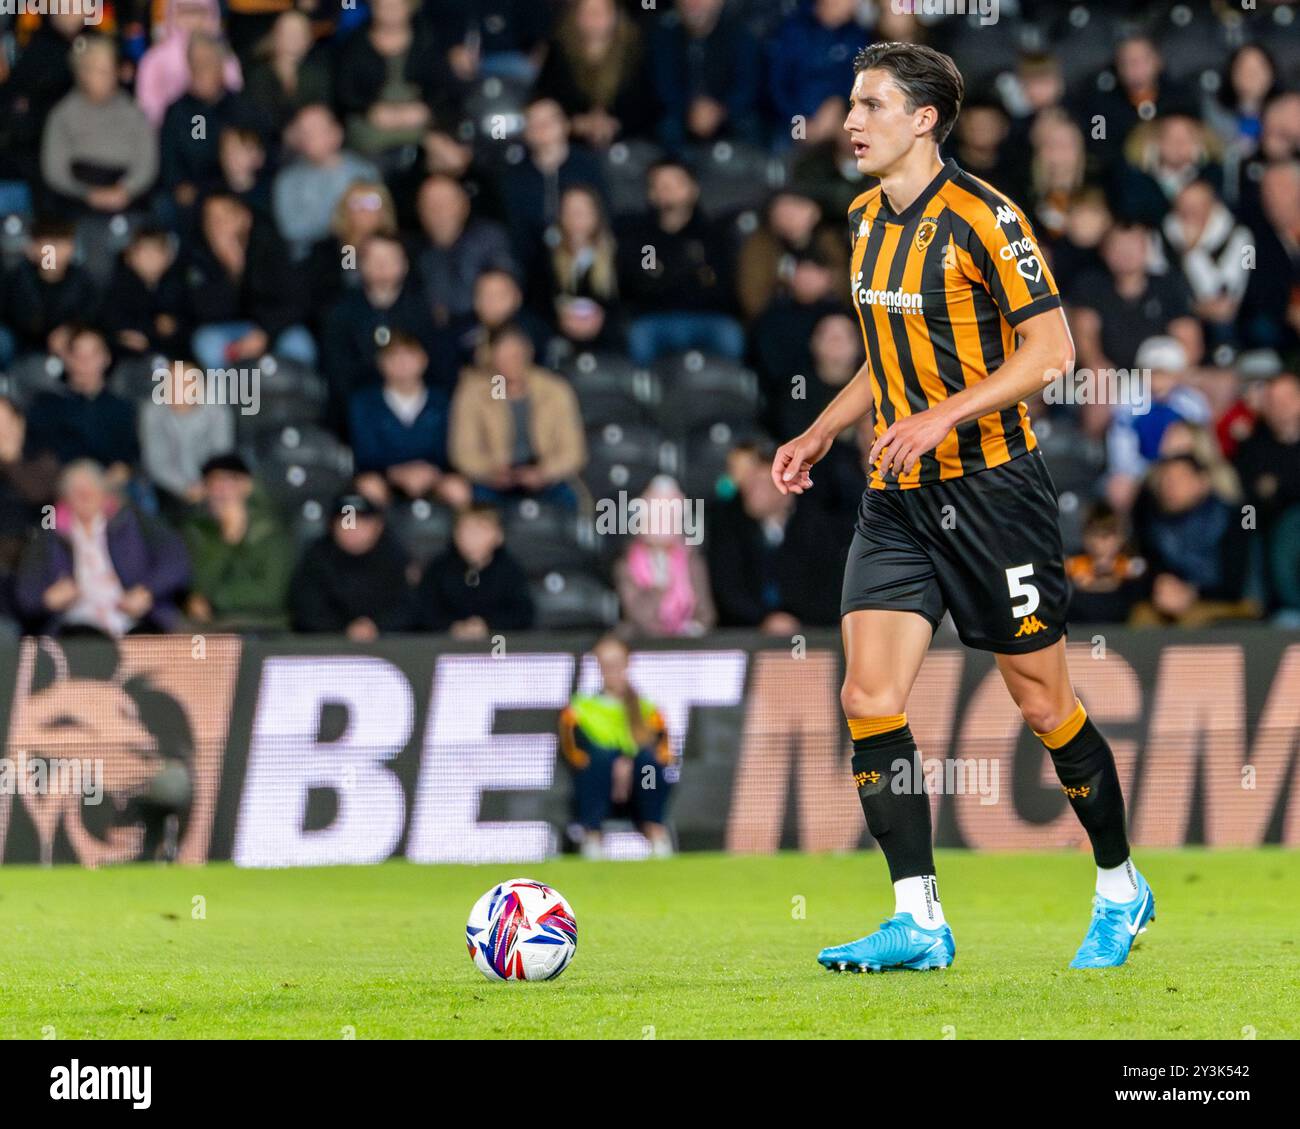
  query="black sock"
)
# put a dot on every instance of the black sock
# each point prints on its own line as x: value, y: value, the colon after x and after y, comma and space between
x: 1085, y: 767
x: 899, y: 820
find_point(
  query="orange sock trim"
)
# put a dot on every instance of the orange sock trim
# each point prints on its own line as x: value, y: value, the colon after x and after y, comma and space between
x: 1064, y: 733
x: 874, y: 726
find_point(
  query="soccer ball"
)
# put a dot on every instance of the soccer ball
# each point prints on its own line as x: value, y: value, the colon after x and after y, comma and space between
x: 521, y: 930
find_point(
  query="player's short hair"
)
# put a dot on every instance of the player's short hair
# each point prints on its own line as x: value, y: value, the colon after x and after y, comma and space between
x: 925, y: 76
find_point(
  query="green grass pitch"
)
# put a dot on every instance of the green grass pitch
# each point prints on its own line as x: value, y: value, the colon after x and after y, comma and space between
x: 698, y: 946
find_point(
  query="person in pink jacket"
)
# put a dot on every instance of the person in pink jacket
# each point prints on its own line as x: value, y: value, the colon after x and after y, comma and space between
x: 164, y: 71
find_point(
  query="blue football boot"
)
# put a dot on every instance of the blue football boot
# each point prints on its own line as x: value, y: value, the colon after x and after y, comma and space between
x: 1114, y: 927
x: 899, y: 943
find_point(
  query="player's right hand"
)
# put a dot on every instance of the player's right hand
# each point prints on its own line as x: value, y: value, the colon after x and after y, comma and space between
x: 795, y: 459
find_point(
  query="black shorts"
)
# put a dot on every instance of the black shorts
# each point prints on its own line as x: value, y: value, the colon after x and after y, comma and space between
x: 986, y: 547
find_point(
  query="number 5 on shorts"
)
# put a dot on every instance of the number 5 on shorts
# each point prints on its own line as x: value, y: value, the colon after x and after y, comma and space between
x: 1019, y: 589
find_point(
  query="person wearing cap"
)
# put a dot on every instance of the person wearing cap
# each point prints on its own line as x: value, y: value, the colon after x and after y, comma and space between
x: 1133, y: 439
x: 240, y: 554
x: 353, y: 581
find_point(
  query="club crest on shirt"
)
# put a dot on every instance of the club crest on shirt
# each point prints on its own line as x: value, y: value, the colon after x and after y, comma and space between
x: 925, y: 233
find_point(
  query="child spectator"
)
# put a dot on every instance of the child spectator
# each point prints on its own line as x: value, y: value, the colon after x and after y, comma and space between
x: 616, y: 744
x: 354, y: 580
x: 1107, y: 582
x: 399, y: 429
x: 148, y: 311
x: 475, y: 587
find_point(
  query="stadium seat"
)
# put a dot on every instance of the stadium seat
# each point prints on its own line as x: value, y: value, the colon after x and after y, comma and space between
x: 573, y: 600
x: 495, y: 108
x: 626, y: 457
x: 133, y: 377
x: 288, y: 393
x: 610, y: 389
x: 734, y: 176
x: 700, y: 389
x: 35, y: 373
x: 706, y: 455
x: 309, y: 522
x: 549, y: 538
x: 625, y: 166
x: 299, y: 463
x: 422, y: 527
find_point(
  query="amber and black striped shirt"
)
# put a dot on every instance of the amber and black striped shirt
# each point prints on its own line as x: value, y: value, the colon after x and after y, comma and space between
x: 939, y: 289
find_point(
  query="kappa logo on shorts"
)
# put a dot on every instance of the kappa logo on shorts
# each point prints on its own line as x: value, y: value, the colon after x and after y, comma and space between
x: 1031, y: 625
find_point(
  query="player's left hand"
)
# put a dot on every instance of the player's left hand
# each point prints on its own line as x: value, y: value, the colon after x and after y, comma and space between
x: 903, y: 443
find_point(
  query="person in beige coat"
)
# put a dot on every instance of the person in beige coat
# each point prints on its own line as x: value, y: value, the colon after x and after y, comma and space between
x: 516, y: 430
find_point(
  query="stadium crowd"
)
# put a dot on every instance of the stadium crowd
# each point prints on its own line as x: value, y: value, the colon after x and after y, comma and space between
x: 486, y: 265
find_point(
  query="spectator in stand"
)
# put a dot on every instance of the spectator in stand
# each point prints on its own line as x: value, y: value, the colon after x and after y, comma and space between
x: 1057, y: 172
x: 1194, y: 543
x: 399, y: 428
x: 148, y: 311
x: 835, y: 357
x: 806, y: 63
x: 675, y: 273
x: 498, y: 301
x: 516, y: 431
x: 365, y: 209
x: 793, y: 224
x: 40, y: 76
x: 458, y: 248
x: 289, y: 72
x: 392, y: 80
x: 241, y: 170
x: 1134, y: 436
x: 532, y: 188
x: 1279, y: 143
x: 492, y: 38
x: 190, y: 157
x: 981, y: 147
x: 389, y: 301
x: 1269, y: 464
x: 354, y: 580
x: 1166, y: 157
x: 307, y: 190
x: 104, y: 568
x: 706, y: 66
x: 594, y: 69
x: 1235, y: 110
x: 1133, y: 90
x: 1270, y: 316
x: 27, y: 486
x: 662, y: 580
x: 1113, y: 312
x: 1106, y: 581
x: 164, y: 72
x: 474, y: 588
x: 616, y: 744
x: 47, y: 294
x: 1209, y: 247
x: 98, y: 151
x: 762, y: 574
x: 780, y: 340
x: 577, y: 288
x: 181, y: 428
x: 241, y: 556
x: 245, y: 295
x: 86, y: 421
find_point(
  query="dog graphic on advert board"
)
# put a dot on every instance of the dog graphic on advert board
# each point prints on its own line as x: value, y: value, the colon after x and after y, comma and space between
x: 75, y: 708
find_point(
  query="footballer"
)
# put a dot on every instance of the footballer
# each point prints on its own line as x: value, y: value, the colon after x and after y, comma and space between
x: 962, y: 323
